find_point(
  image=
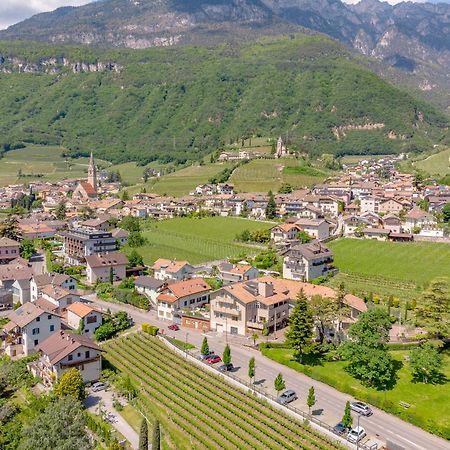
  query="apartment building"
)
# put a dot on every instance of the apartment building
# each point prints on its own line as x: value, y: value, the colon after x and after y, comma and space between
x: 9, y: 250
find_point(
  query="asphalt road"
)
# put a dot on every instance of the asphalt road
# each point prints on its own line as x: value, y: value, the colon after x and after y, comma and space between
x: 380, y: 427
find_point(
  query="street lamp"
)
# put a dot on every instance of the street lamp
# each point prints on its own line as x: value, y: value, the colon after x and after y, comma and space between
x: 226, y: 329
x: 357, y: 438
x: 185, y: 347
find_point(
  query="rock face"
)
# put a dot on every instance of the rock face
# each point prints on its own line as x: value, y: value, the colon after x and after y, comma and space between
x: 413, y: 38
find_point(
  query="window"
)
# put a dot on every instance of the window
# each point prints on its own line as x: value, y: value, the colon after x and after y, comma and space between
x: 38, y: 319
x: 91, y: 319
x: 35, y: 331
x: 70, y: 357
x: 36, y: 341
x: 52, y: 327
x: 87, y: 354
x: 185, y: 303
x: 49, y: 317
x: 78, y: 354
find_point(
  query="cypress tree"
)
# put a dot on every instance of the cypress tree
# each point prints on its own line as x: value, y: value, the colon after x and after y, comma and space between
x: 227, y: 355
x: 311, y: 400
x: 205, y: 347
x: 279, y: 383
x: 156, y: 441
x: 347, y: 420
x: 143, y: 435
x: 271, y: 208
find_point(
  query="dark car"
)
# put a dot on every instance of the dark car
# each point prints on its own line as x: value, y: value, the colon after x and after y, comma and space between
x: 206, y: 356
x: 287, y: 397
x: 361, y: 408
x: 213, y: 359
x: 226, y: 367
x: 341, y: 429
x: 173, y: 327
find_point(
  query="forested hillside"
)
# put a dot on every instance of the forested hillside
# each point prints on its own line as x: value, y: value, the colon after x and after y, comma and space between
x: 180, y: 103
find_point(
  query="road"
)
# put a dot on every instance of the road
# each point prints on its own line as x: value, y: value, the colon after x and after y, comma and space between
x: 380, y: 427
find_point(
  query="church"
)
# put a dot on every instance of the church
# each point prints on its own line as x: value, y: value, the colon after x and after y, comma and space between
x: 87, y: 190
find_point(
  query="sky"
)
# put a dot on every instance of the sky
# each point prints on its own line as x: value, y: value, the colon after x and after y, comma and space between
x: 13, y: 11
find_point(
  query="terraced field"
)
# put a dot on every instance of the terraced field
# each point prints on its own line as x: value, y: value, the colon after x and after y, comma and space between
x: 198, y: 410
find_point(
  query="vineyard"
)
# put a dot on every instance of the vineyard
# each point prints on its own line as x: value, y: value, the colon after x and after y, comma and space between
x: 198, y: 410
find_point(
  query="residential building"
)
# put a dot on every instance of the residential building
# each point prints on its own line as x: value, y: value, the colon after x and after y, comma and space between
x: 416, y: 218
x: 15, y: 270
x: 6, y: 299
x: 150, y: 287
x: 390, y: 206
x: 316, y: 228
x: 379, y: 234
x: 81, y: 242
x: 165, y: 269
x: 104, y: 266
x: 37, y: 282
x: 305, y: 262
x: 284, y: 232
x: 249, y: 306
x: 82, y: 314
x: 182, y: 294
x: 120, y: 235
x: 63, y: 351
x: 9, y: 250
x: 235, y: 273
x: 21, y: 291
x: 36, y: 230
x: 392, y: 223
x: 28, y: 326
x: 59, y: 296
x: 98, y: 224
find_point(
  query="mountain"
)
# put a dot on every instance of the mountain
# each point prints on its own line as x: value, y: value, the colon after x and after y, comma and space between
x: 411, y: 40
x: 182, y: 102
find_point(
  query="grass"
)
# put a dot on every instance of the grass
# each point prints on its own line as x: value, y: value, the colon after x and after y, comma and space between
x: 199, y: 410
x: 132, y: 416
x: 181, y: 344
x: 436, y: 164
x: 430, y: 408
x: 413, y: 263
x: 197, y: 240
x: 354, y: 159
x: 262, y: 175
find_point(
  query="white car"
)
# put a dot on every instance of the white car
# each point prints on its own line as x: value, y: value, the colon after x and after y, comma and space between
x: 356, y: 434
x: 99, y: 386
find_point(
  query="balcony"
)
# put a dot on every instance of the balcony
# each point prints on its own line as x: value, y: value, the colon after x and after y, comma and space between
x: 226, y: 310
x: 255, y: 325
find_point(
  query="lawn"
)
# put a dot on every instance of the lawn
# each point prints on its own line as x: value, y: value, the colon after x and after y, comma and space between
x: 414, y: 263
x: 43, y: 163
x: 262, y: 175
x: 430, y: 408
x: 436, y: 164
x: 197, y: 240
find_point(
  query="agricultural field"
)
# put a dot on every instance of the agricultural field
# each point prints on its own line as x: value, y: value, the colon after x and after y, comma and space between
x: 45, y: 163
x: 197, y: 240
x: 435, y: 164
x: 263, y: 175
x: 354, y: 159
x: 411, y: 263
x: 198, y: 410
x: 430, y: 408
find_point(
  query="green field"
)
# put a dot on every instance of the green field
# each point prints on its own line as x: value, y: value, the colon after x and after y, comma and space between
x: 416, y: 263
x: 197, y: 240
x: 199, y: 410
x: 436, y: 164
x: 262, y: 175
x: 430, y: 408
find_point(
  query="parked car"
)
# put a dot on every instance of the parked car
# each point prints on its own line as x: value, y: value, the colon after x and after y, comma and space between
x: 173, y: 327
x: 226, y: 367
x: 287, y: 397
x: 341, y: 429
x: 99, y: 386
x: 361, y: 408
x: 206, y: 356
x: 213, y: 359
x: 356, y: 434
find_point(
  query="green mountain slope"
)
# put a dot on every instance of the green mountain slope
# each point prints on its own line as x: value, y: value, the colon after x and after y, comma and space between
x: 181, y: 103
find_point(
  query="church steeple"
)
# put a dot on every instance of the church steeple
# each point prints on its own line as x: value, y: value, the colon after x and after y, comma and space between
x: 92, y: 173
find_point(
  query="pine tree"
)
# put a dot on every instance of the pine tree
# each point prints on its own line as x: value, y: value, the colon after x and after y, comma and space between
x: 279, y: 383
x: 205, y: 347
x: 301, y: 324
x: 347, y: 420
x: 271, y: 208
x: 311, y: 400
x: 251, y: 368
x: 143, y: 435
x: 156, y: 441
x: 226, y: 357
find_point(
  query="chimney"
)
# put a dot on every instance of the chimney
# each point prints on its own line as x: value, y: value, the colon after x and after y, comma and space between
x: 265, y: 289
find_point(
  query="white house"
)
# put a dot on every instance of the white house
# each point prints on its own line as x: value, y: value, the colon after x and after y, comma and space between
x: 150, y: 287
x: 316, y: 228
x: 59, y: 296
x: 235, y: 273
x: 416, y: 218
x: 82, y: 313
x: 37, y: 282
x: 102, y: 266
x: 165, y: 269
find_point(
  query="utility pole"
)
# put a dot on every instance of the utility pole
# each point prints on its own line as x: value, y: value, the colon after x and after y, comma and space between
x: 185, y: 347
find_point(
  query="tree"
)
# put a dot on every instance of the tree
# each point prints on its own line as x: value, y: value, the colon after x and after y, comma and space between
x: 130, y: 223
x: 303, y: 237
x: 135, y: 259
x: 300, y: 329
x: 325, y: 313
x: 426, y: 363
x: 27, y: 249
x: 125, y: 196
x: 311, y: 400
x: 279, y: 383
x: 8, y: 228
x: 135, y: 239
x: 143, y: 435
x: 156, y: 440
x: 366, y: 349
x: 62, y: 425
x: 254, y: 337
x: 205, y: 347
x: 347, y: 419
x: 226, y: 357
x: 285, y: 188
x: 71, y: 384
x: 271, y: 208
x: 251, y: 368
x: 446, y: 213
x: 61, y: 211
x: 433, y: 311
x: 111, y: 275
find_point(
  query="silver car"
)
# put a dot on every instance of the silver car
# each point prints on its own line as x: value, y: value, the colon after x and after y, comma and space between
x: 361, y: 408
x: 287, y: 397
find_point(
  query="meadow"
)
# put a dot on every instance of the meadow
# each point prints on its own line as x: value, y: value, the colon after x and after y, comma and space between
x: 197, y: 240
x: 430, y: 408
x: 414, y: 263
x: 436, y: 164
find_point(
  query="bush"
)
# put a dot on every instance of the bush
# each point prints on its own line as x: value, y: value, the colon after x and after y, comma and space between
x: 150, y: 329
x: 131, y: 298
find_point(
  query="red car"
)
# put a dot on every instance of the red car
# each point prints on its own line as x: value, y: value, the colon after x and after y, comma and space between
x: 173, y: 327
x: 214, y: 359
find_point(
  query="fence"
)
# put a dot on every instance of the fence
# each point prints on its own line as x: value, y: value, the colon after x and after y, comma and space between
x: 251, y: 386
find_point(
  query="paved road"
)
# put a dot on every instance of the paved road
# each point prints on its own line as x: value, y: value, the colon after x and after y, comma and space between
x: 380, y: 426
